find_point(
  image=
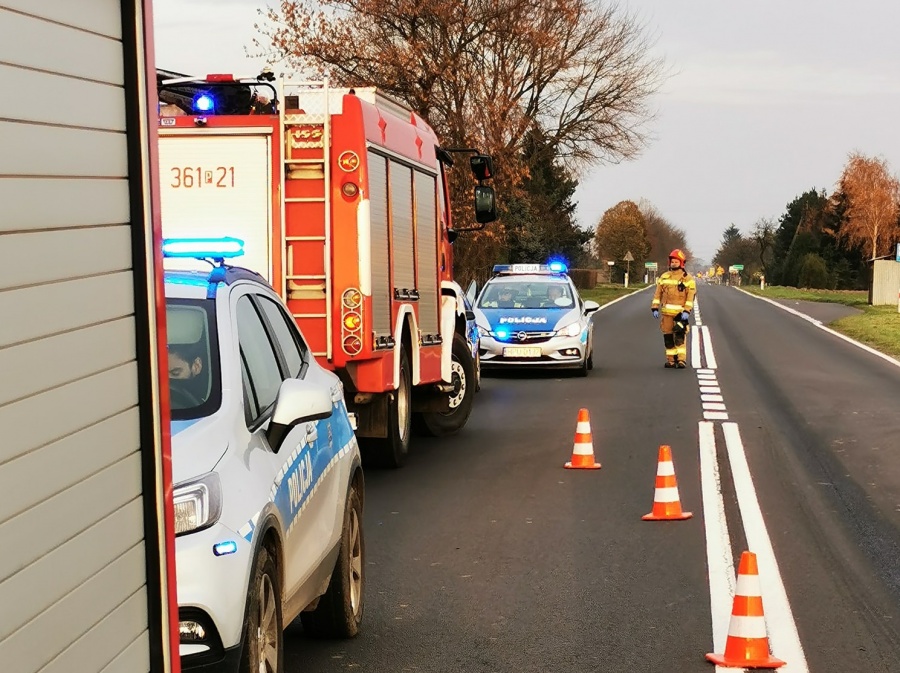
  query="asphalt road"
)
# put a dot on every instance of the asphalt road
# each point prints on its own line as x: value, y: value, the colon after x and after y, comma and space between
x: 485, y: 555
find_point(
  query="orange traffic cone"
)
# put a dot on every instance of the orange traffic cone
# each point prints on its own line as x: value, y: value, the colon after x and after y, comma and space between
x: 747, y: 645
x: 666, y: 504
x: 583, y: 451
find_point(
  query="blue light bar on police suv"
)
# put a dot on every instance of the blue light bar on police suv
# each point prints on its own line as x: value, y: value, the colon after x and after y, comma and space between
x: 203, y: 248
x: 552, y: 267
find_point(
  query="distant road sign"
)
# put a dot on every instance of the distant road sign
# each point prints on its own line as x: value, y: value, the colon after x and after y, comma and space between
x: 650, y: 265
x: 629, y: 257
x: 736, y: 267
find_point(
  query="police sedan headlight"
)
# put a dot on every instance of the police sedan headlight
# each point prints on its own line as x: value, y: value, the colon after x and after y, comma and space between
x: 483, y: 331
x: 198, y: 503
x: 572, y: 330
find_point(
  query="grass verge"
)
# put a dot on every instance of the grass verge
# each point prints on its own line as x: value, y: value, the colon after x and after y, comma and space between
x: 856, y: 298
x: 875, y: 326
x: 605, y: 293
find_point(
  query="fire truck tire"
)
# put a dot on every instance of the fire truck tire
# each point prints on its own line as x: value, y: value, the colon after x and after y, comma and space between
x: 392, y: 450
x: 440, y: 424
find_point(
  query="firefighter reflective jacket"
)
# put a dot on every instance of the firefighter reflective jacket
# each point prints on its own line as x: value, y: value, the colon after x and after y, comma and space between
x: 675, y: 292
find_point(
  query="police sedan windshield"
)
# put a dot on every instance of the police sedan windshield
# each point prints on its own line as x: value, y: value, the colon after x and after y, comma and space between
x: 538, y: 294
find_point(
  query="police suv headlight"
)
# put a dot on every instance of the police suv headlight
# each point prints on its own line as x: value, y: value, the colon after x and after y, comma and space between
x: 572, y: 330
x: 483, y: 331
x: 198, y: 503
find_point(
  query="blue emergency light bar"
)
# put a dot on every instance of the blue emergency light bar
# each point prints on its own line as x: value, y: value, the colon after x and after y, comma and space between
x: 552, y: 267
x: 203, y: 248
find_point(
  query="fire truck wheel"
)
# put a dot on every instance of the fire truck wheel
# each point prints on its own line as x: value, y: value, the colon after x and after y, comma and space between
x: 392, y: 450
x: 465, y: 384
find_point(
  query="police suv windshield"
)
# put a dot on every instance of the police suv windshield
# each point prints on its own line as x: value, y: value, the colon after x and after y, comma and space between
x: 194, y: 382
x: 517, y: 294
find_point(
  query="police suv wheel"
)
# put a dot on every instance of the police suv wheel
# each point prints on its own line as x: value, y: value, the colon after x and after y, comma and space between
x: 263, y: 629
x: 340, y: 610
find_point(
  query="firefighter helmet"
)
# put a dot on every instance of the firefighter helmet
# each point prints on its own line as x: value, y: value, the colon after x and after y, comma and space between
x: 677, y: 254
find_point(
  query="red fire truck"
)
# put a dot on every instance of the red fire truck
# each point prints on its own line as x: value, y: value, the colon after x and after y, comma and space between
x: 340, y: 197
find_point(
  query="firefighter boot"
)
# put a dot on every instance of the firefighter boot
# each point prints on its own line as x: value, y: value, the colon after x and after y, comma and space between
x: 669, y: 340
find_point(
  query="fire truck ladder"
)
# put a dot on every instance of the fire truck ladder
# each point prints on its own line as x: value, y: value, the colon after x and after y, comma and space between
x: 312, y: 116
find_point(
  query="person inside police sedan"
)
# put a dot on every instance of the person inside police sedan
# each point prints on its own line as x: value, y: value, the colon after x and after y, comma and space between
x: 505, y: 297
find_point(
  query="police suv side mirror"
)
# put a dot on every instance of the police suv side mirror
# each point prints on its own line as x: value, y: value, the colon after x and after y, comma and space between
x: 298, y: 402
x: 590, y: 307
x: 485, y: 204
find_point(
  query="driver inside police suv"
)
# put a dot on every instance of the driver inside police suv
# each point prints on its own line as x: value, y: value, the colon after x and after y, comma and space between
x: 186, y: 367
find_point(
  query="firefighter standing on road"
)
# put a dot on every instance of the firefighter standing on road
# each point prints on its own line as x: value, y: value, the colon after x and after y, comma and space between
x: 674, y: 299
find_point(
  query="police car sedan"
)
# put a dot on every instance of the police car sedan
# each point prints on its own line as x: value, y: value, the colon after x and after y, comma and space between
x: 531, y: 315
x: 268, y: 485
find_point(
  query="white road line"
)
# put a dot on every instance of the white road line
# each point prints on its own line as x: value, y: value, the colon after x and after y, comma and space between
x: 715, y: 415
x: 713, y: 390
x: 705, y: 371
x: 783, y: 637
x: 708, y: 349
x: 718, y: 542
x: 711, y: 398
x: 818, y: 323
x: 695, y: 348
x: 714, y: 406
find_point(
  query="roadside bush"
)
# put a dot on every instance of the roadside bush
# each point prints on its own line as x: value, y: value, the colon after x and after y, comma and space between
x: 813, y: 273
x: 585, y: 279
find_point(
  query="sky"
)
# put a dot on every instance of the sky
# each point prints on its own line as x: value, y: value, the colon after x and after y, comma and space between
x: 763, y: 100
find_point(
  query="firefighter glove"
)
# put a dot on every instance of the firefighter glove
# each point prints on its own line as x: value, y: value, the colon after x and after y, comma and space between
x: 655, y: 312
x: 685, y: 317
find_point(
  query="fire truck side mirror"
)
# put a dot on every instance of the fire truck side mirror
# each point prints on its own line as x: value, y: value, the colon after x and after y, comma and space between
x: 485, y: 204
x: 482, y: 166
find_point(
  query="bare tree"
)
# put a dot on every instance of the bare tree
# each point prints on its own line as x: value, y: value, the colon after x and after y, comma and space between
x: 662, y: 234
x: 871, y: 217
x: 487, y: 70
x: 763, y: 234
x: 485, y: 73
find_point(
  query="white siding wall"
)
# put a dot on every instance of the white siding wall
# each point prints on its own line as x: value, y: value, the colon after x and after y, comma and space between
x: 73, y: 566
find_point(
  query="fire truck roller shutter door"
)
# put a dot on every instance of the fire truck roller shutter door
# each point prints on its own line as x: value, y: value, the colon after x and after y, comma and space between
x: 402, y: 226
x: 378, y: 228
x: 426, y: 247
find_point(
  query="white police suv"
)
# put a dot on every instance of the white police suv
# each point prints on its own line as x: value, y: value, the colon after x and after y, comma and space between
x: 268, y: 481
x: 531, y: 315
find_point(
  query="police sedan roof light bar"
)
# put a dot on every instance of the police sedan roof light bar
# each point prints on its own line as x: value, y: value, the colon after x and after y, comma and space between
x: 552, y: 268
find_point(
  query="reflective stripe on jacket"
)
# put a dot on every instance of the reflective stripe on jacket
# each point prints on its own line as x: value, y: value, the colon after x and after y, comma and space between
x: 675, y: 292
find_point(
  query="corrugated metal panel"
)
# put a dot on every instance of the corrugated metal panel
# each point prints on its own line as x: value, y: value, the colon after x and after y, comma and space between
x: 72, y: 513
x: 426, y: 242
x: 381, y: 272
x: 402, y: 227
x: 96, y: 16
x: 885, y: 283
